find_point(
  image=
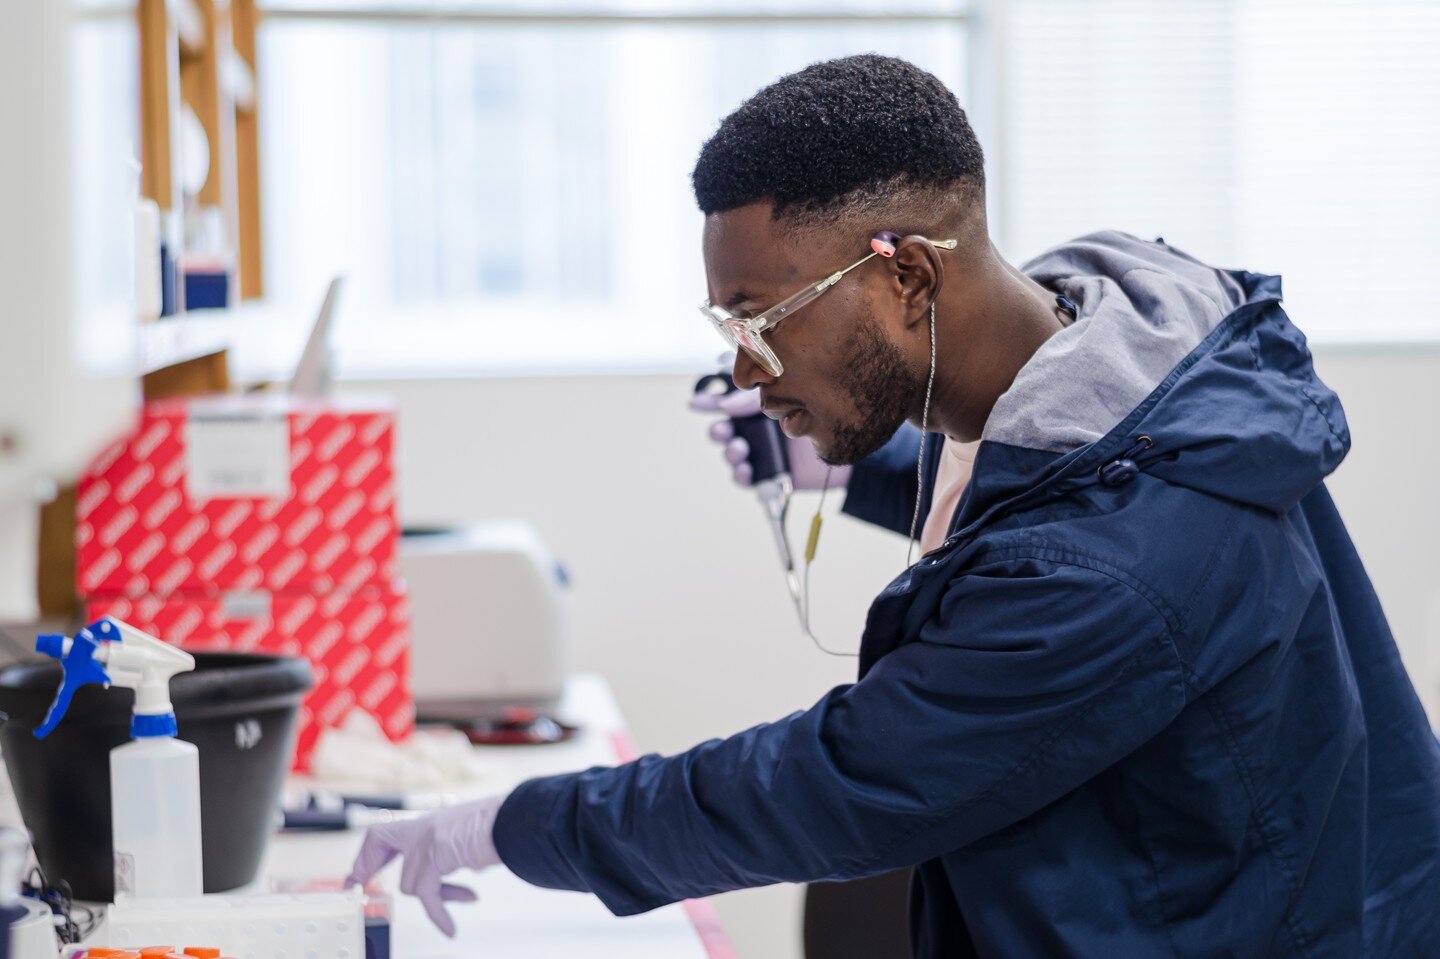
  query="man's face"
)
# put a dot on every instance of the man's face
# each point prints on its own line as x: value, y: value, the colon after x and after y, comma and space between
x: 846, y: 384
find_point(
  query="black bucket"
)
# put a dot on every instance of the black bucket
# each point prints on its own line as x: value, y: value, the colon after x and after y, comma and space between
x: 239, y: 710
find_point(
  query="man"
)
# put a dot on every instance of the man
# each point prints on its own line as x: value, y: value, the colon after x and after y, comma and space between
x: 1140, y: 701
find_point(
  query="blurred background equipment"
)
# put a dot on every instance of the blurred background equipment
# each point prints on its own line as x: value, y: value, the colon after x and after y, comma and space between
x: 488, y: 607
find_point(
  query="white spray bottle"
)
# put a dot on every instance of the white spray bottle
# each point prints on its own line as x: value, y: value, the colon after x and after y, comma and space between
x: 154, y: 778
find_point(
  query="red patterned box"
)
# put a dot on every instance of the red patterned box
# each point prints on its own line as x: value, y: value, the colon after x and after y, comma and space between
x: 259, y: 524
x: 242, y: 493
x: 358, y: 644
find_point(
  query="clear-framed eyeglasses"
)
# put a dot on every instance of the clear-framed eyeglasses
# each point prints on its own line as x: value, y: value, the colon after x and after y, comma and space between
x: 747, y: 332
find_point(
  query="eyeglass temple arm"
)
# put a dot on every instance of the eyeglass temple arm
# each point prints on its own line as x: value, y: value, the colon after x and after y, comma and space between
x: 782, y: 309
x: 834, y: 278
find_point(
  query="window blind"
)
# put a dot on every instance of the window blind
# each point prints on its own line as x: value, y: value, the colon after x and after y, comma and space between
x: 1300, y: 138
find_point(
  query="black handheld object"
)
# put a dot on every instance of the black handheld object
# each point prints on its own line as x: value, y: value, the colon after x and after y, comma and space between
x: 767, y: 442
x: 314, y: 820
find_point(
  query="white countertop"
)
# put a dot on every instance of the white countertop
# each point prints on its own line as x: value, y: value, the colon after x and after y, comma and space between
x: 514, y: 920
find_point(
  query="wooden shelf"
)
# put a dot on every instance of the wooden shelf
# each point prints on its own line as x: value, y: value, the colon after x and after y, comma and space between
x: 190, y: 25
x: 179, y: 339
x: 199, y: 56
x: 240, y: 81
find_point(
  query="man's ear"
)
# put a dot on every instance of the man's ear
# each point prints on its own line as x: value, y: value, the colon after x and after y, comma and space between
x: 918, y: 273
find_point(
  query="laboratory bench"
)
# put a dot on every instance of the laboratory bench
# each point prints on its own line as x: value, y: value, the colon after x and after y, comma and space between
x: 512, y: 920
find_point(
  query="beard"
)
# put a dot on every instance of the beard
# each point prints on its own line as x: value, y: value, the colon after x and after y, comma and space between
x: 883, y: 389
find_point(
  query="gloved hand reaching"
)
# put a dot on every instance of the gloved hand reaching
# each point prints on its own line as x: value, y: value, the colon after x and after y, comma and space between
x: 807, y: 471
x: 433, y: 846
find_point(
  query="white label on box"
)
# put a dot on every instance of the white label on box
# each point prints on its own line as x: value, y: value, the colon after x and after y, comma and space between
x: 230, y: 457
x: 245, y: 604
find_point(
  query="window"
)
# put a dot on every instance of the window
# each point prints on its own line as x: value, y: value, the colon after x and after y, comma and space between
x: 1283, y: 136
x: 512, y: 192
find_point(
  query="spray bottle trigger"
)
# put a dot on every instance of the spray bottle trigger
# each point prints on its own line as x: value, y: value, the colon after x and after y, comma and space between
x: 80, y: 669
x: 51, y: 644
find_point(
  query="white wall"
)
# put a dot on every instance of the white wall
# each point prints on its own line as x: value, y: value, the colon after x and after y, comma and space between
x: 1386, y: 490
x: 678, y: 598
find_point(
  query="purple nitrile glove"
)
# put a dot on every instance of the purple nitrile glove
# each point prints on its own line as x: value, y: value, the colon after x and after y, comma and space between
x: 433, y: 846
x: 806, y: 469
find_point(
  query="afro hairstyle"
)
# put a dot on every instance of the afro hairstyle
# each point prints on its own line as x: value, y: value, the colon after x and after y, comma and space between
x: 842, y: 133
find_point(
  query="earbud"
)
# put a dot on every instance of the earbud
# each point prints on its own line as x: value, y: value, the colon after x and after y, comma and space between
x: 885, y: 243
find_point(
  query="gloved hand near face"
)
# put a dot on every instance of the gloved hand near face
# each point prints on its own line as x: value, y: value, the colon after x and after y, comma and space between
x: 433, y: 846
x: 806, y: 469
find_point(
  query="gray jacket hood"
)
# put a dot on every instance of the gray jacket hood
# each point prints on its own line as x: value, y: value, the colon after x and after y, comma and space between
x: 1203, y: 361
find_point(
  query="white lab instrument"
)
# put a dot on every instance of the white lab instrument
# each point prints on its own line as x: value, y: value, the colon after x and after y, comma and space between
x: 488, y: 618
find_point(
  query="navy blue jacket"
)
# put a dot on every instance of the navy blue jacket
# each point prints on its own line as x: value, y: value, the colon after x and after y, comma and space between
x: 1142, y: 702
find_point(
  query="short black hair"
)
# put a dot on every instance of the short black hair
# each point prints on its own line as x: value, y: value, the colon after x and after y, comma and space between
x: 859, y: 127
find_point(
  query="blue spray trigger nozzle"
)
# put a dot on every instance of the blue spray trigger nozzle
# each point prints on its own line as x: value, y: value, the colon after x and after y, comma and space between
x: 51, y: 644
x: 80, y: 669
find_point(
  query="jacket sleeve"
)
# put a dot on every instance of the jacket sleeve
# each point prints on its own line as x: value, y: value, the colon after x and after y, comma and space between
x: 881, y: 489
x: 1033, y: 677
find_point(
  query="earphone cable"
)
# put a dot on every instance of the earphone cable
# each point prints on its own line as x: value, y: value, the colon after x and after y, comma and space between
x: 920, y: 460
